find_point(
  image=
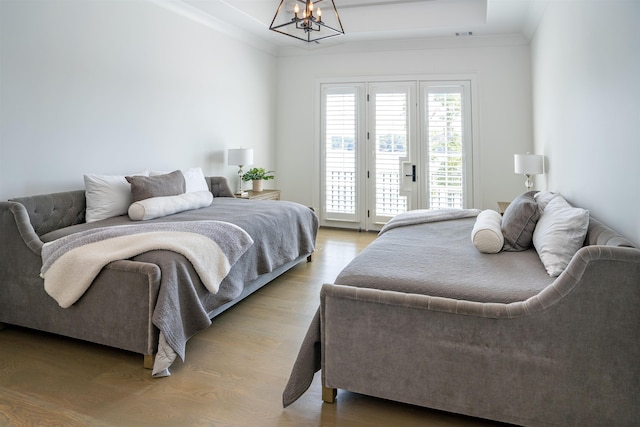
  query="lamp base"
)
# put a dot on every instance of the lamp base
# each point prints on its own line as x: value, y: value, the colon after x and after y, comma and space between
x: 240, y: 192
x: 529, y: 182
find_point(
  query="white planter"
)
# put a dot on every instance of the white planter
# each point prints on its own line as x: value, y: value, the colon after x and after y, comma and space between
x: 257, y: 185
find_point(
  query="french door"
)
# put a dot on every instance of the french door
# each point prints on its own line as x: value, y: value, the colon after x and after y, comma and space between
x: 389, y: 147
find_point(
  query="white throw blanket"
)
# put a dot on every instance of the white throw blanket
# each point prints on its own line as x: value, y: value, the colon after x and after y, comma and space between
x: 67, y: 279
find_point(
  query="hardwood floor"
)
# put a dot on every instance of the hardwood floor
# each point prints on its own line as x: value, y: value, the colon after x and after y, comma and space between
x: 233, y: 375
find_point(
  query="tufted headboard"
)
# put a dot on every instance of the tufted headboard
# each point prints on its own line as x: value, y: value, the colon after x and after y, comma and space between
x: 219, y: 186
x: 49, y: 212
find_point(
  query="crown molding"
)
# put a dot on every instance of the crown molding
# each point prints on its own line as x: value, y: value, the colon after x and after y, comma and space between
x: 196, y: 15
x: 394, y: 45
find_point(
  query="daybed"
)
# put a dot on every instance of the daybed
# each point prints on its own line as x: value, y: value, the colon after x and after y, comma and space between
x: 154, y: 300
x: 421, y: 316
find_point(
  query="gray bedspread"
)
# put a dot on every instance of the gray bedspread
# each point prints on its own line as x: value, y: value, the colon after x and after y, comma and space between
x: 439, y: 259
x: 282, y: 231
x: 435, y: 258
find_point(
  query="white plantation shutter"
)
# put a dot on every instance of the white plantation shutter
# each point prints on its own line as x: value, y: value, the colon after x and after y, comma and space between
x: 391, y: 127
x: 340, y: 140
x: 446, y: 122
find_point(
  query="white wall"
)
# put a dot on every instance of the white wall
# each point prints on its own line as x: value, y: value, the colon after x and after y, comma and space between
x: 115, y: 87
x: 500, y: 66
x: 586, y: 91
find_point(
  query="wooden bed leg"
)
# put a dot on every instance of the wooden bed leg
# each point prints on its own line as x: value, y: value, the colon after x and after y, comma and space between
x: 329, y: 394
x: 149, y: 359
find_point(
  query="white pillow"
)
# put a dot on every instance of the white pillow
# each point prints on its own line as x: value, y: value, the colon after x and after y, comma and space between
x: 156, y: 207
x: 543, y: 198
x: 194, y: 179
x: 559, y: 234
x: 487, y: 234
x: 107, y: 195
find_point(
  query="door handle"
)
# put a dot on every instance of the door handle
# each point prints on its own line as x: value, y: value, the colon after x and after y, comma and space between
x: 413, y: 173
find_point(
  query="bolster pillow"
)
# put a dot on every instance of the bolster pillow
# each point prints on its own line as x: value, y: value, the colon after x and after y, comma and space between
x: 156, y: 207
x: 487, y: 234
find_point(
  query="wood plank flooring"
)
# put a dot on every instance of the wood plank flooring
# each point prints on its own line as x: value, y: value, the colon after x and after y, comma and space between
x: 234, y: 373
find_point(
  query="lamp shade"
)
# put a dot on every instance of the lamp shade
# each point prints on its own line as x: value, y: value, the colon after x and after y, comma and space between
x: 528, y: 164
x: 240, y: 156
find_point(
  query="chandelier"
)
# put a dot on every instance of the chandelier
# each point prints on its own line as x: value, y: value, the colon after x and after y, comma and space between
x: 304, y: 20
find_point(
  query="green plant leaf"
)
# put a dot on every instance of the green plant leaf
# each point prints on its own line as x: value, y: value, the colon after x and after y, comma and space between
x: 257, y: 173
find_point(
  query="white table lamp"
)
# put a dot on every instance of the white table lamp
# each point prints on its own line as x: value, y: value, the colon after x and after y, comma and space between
x: 528, y: 165
x: 240, y: 157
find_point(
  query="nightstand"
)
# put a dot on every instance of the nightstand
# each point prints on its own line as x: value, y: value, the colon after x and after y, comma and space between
x: 263, y: 195
x: 502, y: 206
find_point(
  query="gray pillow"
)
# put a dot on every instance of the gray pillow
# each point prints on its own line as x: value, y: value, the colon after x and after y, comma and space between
x: 519, y: 221
x: 146, y: 187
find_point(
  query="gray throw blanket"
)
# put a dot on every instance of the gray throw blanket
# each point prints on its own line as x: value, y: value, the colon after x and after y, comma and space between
x: 421, y: 216
x: 212, y: 247
x: 306, y: 365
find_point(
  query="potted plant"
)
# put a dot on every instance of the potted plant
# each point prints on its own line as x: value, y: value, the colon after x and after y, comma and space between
x: 257, y: 176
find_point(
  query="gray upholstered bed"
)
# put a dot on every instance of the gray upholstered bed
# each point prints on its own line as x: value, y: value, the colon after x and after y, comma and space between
x: 155, y: 300
x: 422, y: 317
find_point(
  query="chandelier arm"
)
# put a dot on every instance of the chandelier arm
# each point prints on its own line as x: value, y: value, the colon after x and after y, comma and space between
x: 276, y: 15
x: 330, y: 27
x: 337, y: 17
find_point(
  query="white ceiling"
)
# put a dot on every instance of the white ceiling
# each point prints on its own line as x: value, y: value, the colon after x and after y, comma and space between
x: 377, y: 20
